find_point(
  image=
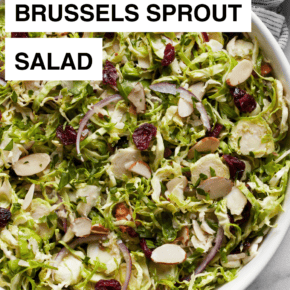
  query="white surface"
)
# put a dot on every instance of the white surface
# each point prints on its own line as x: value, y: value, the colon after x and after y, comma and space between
x: 78, y: 48
x: 276, y: 275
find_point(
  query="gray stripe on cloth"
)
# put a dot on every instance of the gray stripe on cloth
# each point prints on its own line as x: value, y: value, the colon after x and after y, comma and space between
x: 276, y: 23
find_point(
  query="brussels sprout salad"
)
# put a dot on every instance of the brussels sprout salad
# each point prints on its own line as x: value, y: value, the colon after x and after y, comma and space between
x: 165, y: 175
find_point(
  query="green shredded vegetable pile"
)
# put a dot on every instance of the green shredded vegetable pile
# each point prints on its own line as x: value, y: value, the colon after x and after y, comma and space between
x: 55, y: 198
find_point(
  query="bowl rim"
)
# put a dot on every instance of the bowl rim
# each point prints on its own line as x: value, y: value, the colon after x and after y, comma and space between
x: 276, y: 234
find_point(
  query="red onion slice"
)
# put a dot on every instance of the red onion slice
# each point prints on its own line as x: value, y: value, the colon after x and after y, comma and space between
x: 128, y: 260
x: 86, y: 240
x: 203, y: 116
x: 164, y: 88
x: 58, y: 97
x: 210, y: 256
x: 2, y: 82
x: 90, y: 113
x: 187, y: 95
x: 167, y: 88
x: 213, y: 252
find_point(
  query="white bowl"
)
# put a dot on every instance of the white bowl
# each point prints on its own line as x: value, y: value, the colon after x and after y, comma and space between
x: 280, y: 64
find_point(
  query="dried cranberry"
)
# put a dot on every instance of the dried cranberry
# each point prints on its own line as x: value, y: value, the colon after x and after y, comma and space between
x: 5, y: 216
x: 245, y: 214
x: 254, y: 74
x: 0, y: 116
x: 67, y: 136
x: 169, y: 55
x: 19, y: 34
x: 187, y: 174
x: 215, y: 131
x: 145, y: 248
x: 108, y: 285
x: 143, y: 135
x: 205, y: 36
x: 242, y: 245
x: 167, y: 152
x: 236, y: 166
x: 243, y: 101
x: 110, y: 148
x: 110, y: 35
x: 131, y: 232
x: 110, y: 74
x: 232, y: 221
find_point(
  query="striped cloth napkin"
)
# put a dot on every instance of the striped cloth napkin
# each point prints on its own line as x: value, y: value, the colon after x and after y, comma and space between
x: 268, y: 11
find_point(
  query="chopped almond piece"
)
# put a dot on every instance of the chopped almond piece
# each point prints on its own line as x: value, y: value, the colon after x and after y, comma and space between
x: 183, y: 236
x: 121, y: 213
x: 265, y: 69
x: 99, y: 229
x: 123, y: 157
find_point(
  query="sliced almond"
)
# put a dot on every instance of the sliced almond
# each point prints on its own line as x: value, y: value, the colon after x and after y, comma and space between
x: 141, y: 168
x: 82, y: 227
x: 128, y: 165
x: 123, y: 157
x: 207, y: 144
x: 184, y: 235
x: 215, y: 45
x: 240, y: 73
x: 137, y: 97
x: 169, y: 254
x: 197, y: 90
x: 31, y: 164
x: 69, y: 235
x: 144, y: 62
x: 216, y: 187
x: 236, y: 201
x: 185, y: 108
x: 99, y: 229
x: 29, y: 196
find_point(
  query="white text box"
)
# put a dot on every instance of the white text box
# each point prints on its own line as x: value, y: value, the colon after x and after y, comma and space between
x: 112, y: 16
x: 53, y: 59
